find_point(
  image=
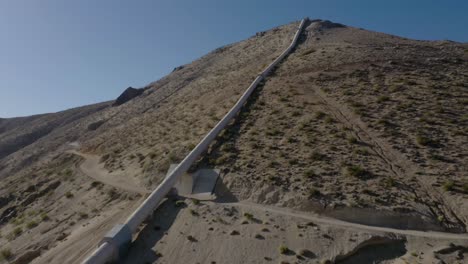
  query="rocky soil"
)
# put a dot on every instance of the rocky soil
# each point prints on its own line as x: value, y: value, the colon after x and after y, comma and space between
x: 355, y: 125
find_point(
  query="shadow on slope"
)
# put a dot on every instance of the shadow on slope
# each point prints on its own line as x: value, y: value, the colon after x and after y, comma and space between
x: 155, y: 229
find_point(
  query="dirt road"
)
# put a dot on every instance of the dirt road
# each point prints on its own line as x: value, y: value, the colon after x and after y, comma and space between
x: 94, y: 169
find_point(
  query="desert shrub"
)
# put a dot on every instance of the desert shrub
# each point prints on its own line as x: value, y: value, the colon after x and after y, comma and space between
x: 32, y: 213
x: 425, y: 141
x: 16, y: 232
x: 96, y: 184
x: 274, y: 132
x: 385, y: 122
x: 440, y: 218
x: 193, y: 212
x: 6, y: 253
x: 105, y: 157
x: 329, y: 120
x: 179, y: 203
x: 309, y: 173
x: 273, y: 163
x: 249, y: 216
x: 296, y: 113
x: 283, y: 249
x: 67, y: 172
x: 320, y: 115
x: 362, y: 151
x: 31, y: 224
x: 228, y: 147
x: 69, y: 195
x: 293, y: 161
x: 448, y: 185
x: 352, y: 140
x: 113, y: 194
x: 465, y: 187
x: 389, y: 182
x: 44, y: 217
x: 383, y: 98
x: 19, y: 220
x: 83, y: 215
x: 317, y: 156
x: 313, y: 192
x: 357, y: 171
x: 221, y: 159
x: 173, y: 157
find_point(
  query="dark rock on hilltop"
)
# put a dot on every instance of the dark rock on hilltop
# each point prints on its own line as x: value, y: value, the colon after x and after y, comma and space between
x: 178, y: 68
x: 127, y: 95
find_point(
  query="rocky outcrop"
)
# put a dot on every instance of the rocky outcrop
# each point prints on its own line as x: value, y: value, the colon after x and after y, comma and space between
x: 128, y: 95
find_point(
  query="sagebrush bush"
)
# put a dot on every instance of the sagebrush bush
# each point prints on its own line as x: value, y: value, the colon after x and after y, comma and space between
x: 283, y: 249
x: 448, y: 186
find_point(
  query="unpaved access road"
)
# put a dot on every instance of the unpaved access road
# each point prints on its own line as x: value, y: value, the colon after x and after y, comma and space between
x: 335, y: 222
x: 94, y: 169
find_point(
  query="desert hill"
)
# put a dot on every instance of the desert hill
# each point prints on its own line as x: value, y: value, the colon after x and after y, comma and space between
x: 354, y: 125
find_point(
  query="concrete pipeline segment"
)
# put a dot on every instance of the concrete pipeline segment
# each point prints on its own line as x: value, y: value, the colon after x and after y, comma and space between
x: 115, y: 244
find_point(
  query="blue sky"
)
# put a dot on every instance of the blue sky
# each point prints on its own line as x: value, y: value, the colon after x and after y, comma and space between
x: 58, y: 54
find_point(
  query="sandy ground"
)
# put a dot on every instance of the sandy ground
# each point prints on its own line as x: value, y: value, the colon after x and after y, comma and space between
x: 207, y: 232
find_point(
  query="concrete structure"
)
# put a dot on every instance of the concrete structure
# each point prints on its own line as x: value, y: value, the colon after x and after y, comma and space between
x: 114, y: 244
x: 198, y: 185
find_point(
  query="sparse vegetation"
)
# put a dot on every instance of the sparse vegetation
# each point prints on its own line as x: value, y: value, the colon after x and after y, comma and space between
x: 31, y: 224
x: 283, y: 249
x: 317, y: 156
x: 320, y: 115
x: 15, y: 233
x: 44, y: 216
x: 425, y: 141
x: 329, y: 120
x: 440, y: 218
x: 448, y: 186
x: 382, y: 98
x: 352, y: 140
x: 249, y: 216
x: 193, y: 212
x: 309, y: 173
x: 357, y: 171
x: 389, y: 182
x: 83, y: 215
x: 6, y: 254
x: 180, y: 203
x: 69, y: 195
x: 313, y: 192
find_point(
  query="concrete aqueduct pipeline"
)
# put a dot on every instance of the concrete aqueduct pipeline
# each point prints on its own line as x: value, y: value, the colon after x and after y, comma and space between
x: 115, y: 244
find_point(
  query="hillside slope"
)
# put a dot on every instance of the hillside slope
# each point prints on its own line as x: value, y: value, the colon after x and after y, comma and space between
x: 356, y: 125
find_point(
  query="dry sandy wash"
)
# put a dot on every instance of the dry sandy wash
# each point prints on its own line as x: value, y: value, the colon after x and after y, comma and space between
x: 352, y: 151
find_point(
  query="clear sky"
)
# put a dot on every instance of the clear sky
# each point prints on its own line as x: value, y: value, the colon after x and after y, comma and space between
x: 58, y: 54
